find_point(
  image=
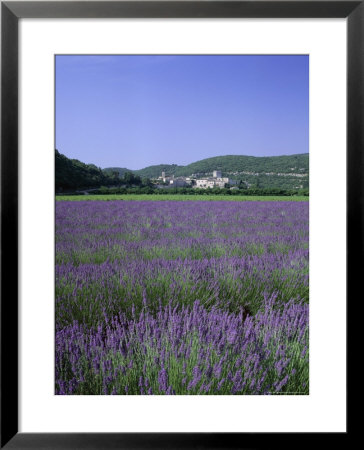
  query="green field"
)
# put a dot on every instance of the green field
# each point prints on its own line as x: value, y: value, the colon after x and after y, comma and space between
x: 181, y: 197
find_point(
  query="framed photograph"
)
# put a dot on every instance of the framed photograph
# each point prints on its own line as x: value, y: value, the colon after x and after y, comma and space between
x: 181, y: 221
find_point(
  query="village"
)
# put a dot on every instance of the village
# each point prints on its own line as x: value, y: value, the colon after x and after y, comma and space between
x: 217, y: 180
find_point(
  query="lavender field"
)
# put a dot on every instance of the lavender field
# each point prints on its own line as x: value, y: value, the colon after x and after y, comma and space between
x: 185, y: 298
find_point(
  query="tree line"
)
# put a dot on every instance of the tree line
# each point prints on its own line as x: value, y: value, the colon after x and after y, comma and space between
x: 142, y: 189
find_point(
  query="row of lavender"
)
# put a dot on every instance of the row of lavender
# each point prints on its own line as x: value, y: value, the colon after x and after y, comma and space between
x: 181, y: 298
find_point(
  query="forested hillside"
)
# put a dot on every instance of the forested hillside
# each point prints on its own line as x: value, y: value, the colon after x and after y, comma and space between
x: 74, y: 174
x: 268, y: 172
x: 240, y: 163
x: 230, y: 164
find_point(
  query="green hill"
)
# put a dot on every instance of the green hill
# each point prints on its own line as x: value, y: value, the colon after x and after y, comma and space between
x: 240, y: 163
x: 74, y: 174
x: 228, y: 165
x: 156, y: 171
x: 281, y: 172
x: 119, y: 170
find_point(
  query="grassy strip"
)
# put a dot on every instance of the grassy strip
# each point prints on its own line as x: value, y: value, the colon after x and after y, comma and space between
x: 181, y: 197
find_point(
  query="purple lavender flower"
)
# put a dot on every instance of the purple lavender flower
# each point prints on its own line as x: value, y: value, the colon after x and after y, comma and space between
x: 163, y: 380
x: 134, y: 302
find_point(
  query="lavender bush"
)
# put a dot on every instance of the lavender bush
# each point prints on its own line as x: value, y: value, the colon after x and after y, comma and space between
x: 181, y: 298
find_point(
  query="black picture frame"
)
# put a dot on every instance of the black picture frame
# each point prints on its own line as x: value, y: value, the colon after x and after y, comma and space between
x: 11, y: 12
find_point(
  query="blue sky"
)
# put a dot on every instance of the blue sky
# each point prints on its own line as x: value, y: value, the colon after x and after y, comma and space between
x: 136, y: 111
